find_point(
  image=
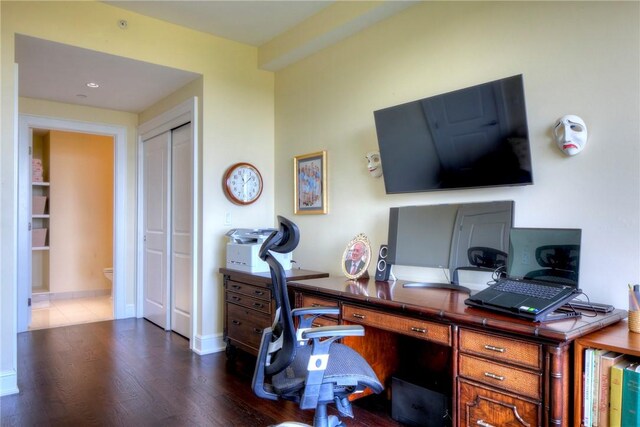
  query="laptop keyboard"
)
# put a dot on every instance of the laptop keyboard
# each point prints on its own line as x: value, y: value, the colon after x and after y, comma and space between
x: 528, y: 289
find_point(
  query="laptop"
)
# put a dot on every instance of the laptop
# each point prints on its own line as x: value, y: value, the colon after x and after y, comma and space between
x: 542, y: 274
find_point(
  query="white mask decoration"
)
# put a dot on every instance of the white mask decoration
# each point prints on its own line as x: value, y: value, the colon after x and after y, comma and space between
x: 571, y: 134
x: 374, y: 164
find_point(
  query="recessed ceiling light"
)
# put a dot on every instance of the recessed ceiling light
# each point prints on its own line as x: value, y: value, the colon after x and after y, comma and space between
x: 93, y: 85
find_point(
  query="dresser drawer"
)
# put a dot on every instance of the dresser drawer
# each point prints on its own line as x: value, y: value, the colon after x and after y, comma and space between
x: 422, y: 329
x: 506, y: 377
x: 249, y: 290
x: 502, y: 349
x: 245, y: 326
x: 249, y: 302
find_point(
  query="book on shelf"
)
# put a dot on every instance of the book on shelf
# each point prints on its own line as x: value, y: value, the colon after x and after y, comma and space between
x: 615, y: 392
x: 587, y: 389
x: 607, y: 361
x: 630, y: 415
x: 595, y: 386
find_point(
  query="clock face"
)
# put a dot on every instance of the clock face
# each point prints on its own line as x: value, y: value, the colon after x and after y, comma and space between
x: 243, y: 183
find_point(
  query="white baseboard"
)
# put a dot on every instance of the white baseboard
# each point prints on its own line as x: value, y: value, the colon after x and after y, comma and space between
x: 208, y: 344
x: 130, y: 310
x: 8, y: 382
x: 49, y: 296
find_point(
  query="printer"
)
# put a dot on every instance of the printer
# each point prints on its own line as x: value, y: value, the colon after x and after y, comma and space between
x: 243, y: 250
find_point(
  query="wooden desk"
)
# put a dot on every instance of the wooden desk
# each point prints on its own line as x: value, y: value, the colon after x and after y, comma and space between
x: 249, y: 306
x: 498, y: 370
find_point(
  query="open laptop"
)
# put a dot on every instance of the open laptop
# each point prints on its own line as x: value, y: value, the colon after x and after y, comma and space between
x: 540, y: 259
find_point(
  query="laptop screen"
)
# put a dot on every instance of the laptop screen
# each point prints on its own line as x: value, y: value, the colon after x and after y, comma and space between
x: 545, y: 254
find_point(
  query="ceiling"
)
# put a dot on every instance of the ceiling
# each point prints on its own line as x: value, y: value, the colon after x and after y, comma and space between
x: 249, y: 22
x: 58, y: 72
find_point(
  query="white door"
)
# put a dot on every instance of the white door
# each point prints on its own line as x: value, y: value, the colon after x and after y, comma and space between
x: 156, y: 156
x: 168, y: 229
x: 181, y: 229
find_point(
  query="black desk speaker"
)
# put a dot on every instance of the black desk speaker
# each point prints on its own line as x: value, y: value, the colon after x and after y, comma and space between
x: 383, y: 268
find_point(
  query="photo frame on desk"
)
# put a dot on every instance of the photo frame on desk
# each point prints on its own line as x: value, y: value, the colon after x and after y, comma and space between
x: 310, y: 184
x: 356, y: 257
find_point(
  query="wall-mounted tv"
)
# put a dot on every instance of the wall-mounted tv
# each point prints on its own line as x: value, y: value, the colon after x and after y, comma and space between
x: 473, y: 137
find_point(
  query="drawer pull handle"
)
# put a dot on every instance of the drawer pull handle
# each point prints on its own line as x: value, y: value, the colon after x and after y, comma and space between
x: 492, y: 348
x: 235, y: 298
x: 494, y: 376
x: 258, y: 305
x: 316, y: 325
x: 315, y: 304
x: 259, y: 292
x: 236, y: 286
x: 358, y: 316
x: 236, y: 322
x: 484, y: 424
x: 419, y: 330
x: 257, y: 330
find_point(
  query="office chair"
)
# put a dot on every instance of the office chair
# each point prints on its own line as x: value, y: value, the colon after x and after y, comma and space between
x: 306, y: 365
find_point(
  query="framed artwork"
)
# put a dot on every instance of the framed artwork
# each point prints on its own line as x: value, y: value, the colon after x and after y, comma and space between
x: 310, y: 183
x: 356, y: 257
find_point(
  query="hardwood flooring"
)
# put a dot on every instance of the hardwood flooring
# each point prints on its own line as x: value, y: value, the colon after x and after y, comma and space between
x: 132, y: 373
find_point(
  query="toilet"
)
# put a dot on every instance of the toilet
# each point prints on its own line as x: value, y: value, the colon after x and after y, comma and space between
x: 108, y: 273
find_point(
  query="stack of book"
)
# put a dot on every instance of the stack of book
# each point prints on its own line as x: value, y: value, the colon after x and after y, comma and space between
x: 611, y: 392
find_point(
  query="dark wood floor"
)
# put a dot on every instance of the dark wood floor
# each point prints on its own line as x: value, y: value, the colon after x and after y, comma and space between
x: 132, y: 373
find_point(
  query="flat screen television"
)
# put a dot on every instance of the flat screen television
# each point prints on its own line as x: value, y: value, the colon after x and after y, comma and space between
x: 472, y: 137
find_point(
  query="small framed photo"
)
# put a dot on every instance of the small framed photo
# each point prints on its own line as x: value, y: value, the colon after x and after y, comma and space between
x: 356, y: 257
x: 310, y: 183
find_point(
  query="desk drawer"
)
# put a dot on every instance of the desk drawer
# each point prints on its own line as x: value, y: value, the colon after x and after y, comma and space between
x: 505, y: 377
x: 422, y: 329
x: 249, y: 290
x: 501, y: 349
x: 249, y: 302
x: 483, y: 406
x: 313, y: 301
x: 246, y: 325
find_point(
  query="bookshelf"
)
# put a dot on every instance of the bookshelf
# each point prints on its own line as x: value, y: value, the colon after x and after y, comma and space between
x: 616, y: 337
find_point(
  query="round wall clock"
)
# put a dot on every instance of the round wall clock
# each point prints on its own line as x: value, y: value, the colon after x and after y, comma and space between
x: 242, y: 183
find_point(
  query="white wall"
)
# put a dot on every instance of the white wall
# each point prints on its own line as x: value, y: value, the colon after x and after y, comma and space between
x: 576, y: 57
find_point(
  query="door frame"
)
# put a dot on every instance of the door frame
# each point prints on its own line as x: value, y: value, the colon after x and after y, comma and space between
x: 177, y: 116
x: 119, y: 135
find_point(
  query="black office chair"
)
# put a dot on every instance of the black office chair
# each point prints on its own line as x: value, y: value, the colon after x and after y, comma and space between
x: 307, y: 366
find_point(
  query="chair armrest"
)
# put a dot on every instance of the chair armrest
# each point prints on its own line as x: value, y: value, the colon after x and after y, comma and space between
x: 333, y: 331
x: 315, y: 311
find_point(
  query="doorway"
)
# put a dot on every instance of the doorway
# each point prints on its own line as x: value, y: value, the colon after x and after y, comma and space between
x: 71, y: 228
x: 117, y: 134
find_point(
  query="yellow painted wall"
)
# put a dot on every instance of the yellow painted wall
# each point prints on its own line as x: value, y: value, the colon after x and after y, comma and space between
x: 237, y: 113
x: 576, y: 57
x: 81, y: 209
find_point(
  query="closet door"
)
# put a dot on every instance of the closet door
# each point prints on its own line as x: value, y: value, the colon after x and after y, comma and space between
x: 156, y: 156
x: 181, y: 229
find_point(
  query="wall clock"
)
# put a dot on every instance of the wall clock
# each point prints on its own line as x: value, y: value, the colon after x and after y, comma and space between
x: 242, y: 183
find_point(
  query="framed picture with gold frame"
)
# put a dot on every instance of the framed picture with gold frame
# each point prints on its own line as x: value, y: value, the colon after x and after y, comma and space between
x: 310, y: 183
x: 356, y: 257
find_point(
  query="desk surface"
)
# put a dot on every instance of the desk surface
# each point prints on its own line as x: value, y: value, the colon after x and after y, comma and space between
x: 448, y: 305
